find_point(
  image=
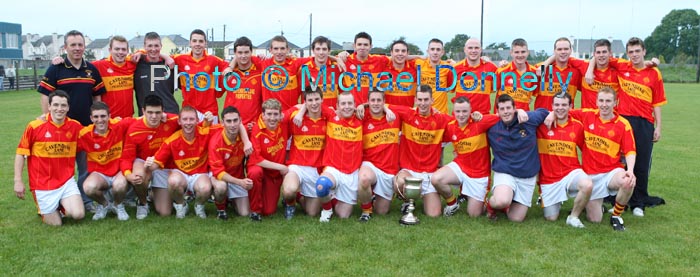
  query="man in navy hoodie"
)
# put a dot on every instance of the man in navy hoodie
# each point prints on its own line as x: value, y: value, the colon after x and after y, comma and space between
x: 515, y: 160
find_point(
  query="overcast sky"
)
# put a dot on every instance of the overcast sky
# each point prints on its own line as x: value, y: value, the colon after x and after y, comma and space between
x: 539, y: 22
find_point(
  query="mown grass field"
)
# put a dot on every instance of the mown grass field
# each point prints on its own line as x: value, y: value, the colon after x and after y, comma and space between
x: 662, y: 243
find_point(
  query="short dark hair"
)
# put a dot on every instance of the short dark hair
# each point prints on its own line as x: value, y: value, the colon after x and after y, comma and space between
x: 99, y: 106
x: 436, y: 41
x: 119, y: 39
x: 187, y: 108
x: 279, y: 38
x: 563, y: 95
x: 562, y: 39
x: 58, y: 93
x: 503, y: 98
x: 375, y: 91
x: 518, y: 42
x: 363, y: 35
x: 230, y: 109
x: 198, y: 32
x: 425, y: 88
x: 150, y: 36
x: 321, y: 40
x: 462, y: 99
x: 72, y: 33
x: 602, y: 42
x: 310, y: 91
x: 152, y: 100
x: 398, y: 41
x: 242, y: 41
x: 635, y: 41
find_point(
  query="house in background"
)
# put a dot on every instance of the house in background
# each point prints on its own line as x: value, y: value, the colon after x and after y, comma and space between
x: 264, y: 49
x: 583, y: 48
x: 177, y: 44
x: 99, y: 49
x: 334, y: 46
x: 10, y: 43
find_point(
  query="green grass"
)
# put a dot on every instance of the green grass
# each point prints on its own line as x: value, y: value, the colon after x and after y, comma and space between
x: 662, y: 243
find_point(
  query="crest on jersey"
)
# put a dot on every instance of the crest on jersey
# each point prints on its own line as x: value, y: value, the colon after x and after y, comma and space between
x: 266, y: 141
x: 226, y: 156
x: 149, y: 137
x: 550, y: 133
x: 611, y: 133
x: 97, y: 146
x: 572, y: 135
x: 304, y: 128
x: 417, y: 123
x: 47, y: 135
x: 591, y: 126
x: 182, y: 153
x: 352, y: 67
x: 69, y: 135
x: 454, y: 137
x: 627, y: 74
x: 109, y: 70
x: 187, y: 67
x: 370, y: 126
x: 336, y: 118
x: 523, y: 133
x: 88, y: 73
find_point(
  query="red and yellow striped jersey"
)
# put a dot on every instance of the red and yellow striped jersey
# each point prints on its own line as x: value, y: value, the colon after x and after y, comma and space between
x: 343, y: 142
x: 605, y: 140
x: 198, y: 83
x: 142, y: 141
x: 471, y: 145
x: 248, y: 97
x: 104, y: 152
x: 330, y: 91
x: 397, y: 96
x: 189, y: 157
x: 380, y: 142
x: 269, y: 144
x: 50, y: 150
x: 372, y: 66
x: 428, y: 77
x: 557, y: 149
x: 513, y: 86
x: 421, y: 140
x: 280, y: 81
x: 604, y: 77
x: 643, y: 89
x: 568, y: 76
x: 478, y: 83
x: 119, y: 83
x: 225, y: 156
x: 308, y: 141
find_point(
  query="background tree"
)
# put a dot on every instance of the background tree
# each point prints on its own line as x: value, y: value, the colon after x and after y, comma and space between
x: 497, y: 46
x: 89, y: 55
x: 454, y: 49
x: 678, y: 33
x: 412, y: 48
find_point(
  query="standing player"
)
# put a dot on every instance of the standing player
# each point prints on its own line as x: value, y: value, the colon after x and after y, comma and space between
x: 81, y: 80
x: 226, y: 154
x: 421, y: 146
x: 444, y: 78
x: 147, y: 82
x: 103, y: 141
x: 380, y: 155
x: 473, y: 81
x: 248, y: 93
x: 143, y: 138
x: 515, y: 161
x: 118, y: 76
x: 267, y: 167
x: 515, y: 85
x: 608, y: 135
x: 563, y: 76
x: 471, y: 166
x: 344, y: 140
x: 561, y: 175
x: 363, y: 67
x: 199, y: 76
x: 49, y: 148
x: 329, y: 86
x: 305, y: 155
x: 185, y: 153
x: 400, y: 93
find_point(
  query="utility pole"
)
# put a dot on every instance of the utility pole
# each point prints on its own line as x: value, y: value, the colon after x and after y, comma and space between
x: 697, y: 74
x: 481, y: 35
x: 310, y: 25
x: 224, y: 33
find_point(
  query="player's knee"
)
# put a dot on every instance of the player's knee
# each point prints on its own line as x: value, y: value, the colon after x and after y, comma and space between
x: 586, y: 186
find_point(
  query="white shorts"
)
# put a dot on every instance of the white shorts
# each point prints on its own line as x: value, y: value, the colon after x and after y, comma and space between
x: 345, y: 184
x: 47, y: 201
x: 473, y: 187
x: 384, y: 187
x: 236, y: 191
x: 307, y: 179
x: 425, y: 187
x: 108, y: 179
x: 200, y: 117
x: 159, y: 178
x: 522, y: 187
x: 563, y: 190
x: 190, y: 179
x: 601, y: 182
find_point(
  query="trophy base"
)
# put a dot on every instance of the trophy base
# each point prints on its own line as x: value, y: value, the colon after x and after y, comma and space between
x: 409, y: 219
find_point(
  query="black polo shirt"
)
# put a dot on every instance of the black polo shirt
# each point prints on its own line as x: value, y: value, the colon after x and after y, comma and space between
x: 81, y: 84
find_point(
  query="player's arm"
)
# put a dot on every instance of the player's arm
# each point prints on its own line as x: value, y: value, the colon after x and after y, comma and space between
x: 273, y: 166
x: 657, y: 124
x: 247, y: 144
x: 44, y: 104
x: 19, y: 183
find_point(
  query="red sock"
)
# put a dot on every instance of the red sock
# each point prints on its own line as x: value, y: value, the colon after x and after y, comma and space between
x: 221, y: 206
x: 299, y: 197
x: 367, y: 207
x: 334, y: 202
x: 327, y: 206
x: 292, y: 202
x: 451, y: 200
x: 617, y: 211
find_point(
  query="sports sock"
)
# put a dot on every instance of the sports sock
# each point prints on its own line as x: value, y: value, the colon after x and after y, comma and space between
x: 327, y: 206
x: 367, y: 208
x: 617, y: 211
x: 221, y: 206
x: 451, y: 200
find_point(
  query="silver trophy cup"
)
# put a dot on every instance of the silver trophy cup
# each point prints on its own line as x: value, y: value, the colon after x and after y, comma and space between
x: 411, y: 192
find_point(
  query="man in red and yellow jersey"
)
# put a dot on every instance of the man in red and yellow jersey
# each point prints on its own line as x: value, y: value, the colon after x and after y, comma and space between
x: 402, y: 90
x: 641, y: 99
x: 607, y: 136
x: 471, y: 166
x: 476, y: 78
x: 185, y: 153
x: 243, y: 84
x: 560, y: 77
x: 442, y: 82
x: 518, y: 79
x: 305, y: 155
x: 421, y: 146
x: 561, y: 175
x: 50, y: 147
x: 118, y: 76
x: 266, y: 165
x: 380, y: 152
x: 199, y: 75
x: 280, y: 74
x: 603, y: 75
x: 363, y: 68
x: 142, y: 139
x: 103, y: 141
x: 309, y: 72
x: 344, y: 141
x: 226, y: 155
